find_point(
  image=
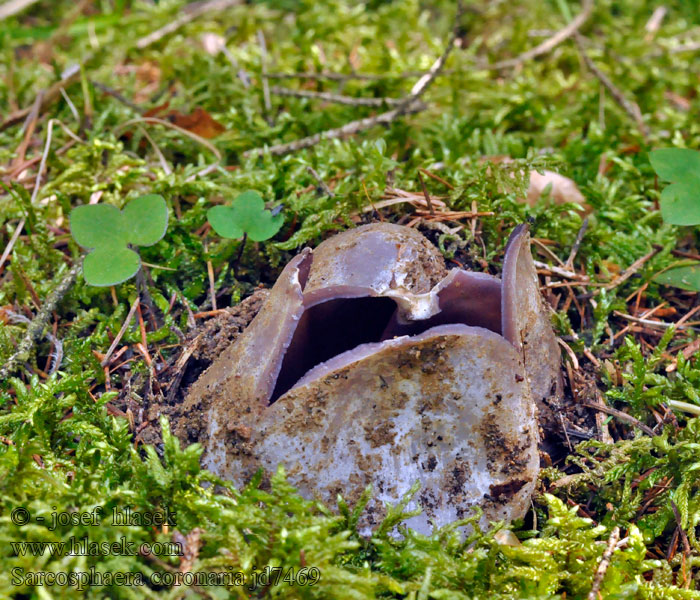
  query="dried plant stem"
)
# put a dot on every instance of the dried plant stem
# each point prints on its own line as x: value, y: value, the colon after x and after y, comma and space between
x: 189, y: 13
x: 632, y: 269
x: 321, y: 184
x: 37, y: 325
x: 622, y: 416
x: 336, y: 98
x: 549, y: 44
x: 348, y: 129
x: 122, y: 331
x: 629, y: 106
x: 577, y: 244
x: 604, y: 563
x: 410, y: 104
x: 344, y: 76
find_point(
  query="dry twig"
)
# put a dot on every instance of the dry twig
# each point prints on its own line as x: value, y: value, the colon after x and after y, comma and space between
x: 629, y: 106
x: 188, y: 14
x: 410, y: 104
x: 620, y: 415
x: 122, y: 331
x: 336, y: 98
x: 37, y: 325
x: 604, y: 563
x: 549, y: 44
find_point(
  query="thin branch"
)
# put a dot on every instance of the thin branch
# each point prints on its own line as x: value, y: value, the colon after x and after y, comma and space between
x: 189, y: 13
x: 37, y: 325
x: 632, y: 269
x: 629, y: 106
x: 344, y: 76
x: 604, y: 563
x: 336, y: 98
x: 428, y: 201
x: 122, y: 331
x: 554, y: 270
x: 348, y: 129
x: 265, y: 83
x: 648, y: 322
x: 549, y: 44
x: 410, y: 104
x: 12, y: 242
x: 623, y: 416
x: 12, y: 7
x: 116, y: 95
x: 321, y: 184
x: 577, y: 244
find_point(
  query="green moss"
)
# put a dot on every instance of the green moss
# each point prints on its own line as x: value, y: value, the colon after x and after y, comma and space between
x: 61, y: 450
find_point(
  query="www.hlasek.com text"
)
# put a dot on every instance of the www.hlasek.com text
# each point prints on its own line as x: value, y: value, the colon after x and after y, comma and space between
x: 85, y: 547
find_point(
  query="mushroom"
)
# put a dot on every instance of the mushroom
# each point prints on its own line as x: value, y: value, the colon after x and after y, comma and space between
x: 370, y: 363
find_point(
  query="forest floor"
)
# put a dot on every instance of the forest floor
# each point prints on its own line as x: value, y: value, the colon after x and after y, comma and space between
x: 337, y: 114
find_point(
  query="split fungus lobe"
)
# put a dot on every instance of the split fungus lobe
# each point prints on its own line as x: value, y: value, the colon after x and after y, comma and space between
x: 371, y: 364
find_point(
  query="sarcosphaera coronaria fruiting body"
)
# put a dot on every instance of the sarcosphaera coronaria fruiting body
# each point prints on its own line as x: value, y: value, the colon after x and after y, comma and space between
x: 370, y: 363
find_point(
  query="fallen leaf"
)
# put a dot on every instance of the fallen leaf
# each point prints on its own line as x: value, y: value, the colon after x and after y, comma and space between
x: 148, y: 72
x: 562, y: 189
x: 41, y: 51
x: 199, y: 121
x: 157, y: 110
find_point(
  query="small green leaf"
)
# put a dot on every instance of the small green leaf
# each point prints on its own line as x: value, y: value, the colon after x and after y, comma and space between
x: 146, y: 218
x: 246, y: 215
x: 685, y: 278
x: 676, y: 164
x: 107, y: 230
x: 223, y: 221
x: 110, y: 265
x: 680, y: 201
x: 92, y: 224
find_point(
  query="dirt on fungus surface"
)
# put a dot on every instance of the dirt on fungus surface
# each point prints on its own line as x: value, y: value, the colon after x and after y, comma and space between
x: 557, y: 431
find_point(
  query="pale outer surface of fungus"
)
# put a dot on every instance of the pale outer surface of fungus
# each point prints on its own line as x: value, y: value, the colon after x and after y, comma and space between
x: 371, y: 364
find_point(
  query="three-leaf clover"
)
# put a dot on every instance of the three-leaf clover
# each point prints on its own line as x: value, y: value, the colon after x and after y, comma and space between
x: 680, y: 205
x: 108, y: 232
x: 246, y: 216
x: 680, y: 201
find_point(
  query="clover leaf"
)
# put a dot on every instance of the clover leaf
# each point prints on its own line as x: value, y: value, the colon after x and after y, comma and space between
x: 680, y: 205
x: 246, y: 216
x: 686, y: 277
x: 108, y: 232
x: 680, y: 201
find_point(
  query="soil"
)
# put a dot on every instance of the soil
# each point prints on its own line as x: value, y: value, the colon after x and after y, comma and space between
x: 203, y: 345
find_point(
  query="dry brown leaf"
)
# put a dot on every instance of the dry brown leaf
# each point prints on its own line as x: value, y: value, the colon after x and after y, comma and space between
x: 562, y: 190
x: 198, y: 121
x: 41, y: 51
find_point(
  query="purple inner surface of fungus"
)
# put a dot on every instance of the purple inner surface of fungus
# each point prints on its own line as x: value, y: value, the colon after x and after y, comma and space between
x: 335, y: 324
x: 353, y: 321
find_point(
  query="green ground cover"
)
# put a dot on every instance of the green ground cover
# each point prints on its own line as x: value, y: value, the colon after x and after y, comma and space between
x: 65, y: 445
